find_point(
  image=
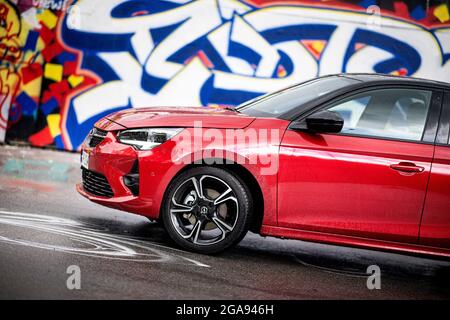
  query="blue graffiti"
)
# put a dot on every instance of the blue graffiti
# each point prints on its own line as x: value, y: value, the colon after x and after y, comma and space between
x: 208, y: 52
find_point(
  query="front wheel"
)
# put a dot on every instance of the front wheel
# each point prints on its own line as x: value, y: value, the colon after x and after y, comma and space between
x: 207, y: 210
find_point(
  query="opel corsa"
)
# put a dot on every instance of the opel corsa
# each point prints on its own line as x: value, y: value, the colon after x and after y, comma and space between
x: 353, y: 159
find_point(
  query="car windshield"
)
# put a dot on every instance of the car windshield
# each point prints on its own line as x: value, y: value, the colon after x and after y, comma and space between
x: 285, y: 100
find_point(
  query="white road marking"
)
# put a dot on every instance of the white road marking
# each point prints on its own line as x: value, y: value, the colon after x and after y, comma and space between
x: 95, y: 242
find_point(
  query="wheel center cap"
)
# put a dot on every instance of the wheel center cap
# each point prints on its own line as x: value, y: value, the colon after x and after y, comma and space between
x: 204, y: 210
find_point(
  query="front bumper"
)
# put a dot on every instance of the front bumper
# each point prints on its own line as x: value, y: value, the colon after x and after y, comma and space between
x: 115, y: 161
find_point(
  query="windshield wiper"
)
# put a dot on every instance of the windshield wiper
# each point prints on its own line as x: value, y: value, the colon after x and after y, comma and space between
x: 232, y: 109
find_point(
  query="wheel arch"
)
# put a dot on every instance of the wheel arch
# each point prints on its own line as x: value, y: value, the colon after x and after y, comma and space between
x: 241, y: 172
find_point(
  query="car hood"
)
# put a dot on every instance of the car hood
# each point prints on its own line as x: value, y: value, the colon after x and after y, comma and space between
x: 178, y: 117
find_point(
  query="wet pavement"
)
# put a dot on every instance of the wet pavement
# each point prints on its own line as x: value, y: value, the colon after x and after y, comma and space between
x: 46, y: 227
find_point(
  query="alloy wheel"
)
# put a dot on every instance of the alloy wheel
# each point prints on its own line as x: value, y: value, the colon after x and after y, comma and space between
x: 204, y: 210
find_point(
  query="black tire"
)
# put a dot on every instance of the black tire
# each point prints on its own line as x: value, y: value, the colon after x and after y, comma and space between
x: 237, y: 204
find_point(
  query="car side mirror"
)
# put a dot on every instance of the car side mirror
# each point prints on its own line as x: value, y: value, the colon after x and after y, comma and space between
x: 320, y: 122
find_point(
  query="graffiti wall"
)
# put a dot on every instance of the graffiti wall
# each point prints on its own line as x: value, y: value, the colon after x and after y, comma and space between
x: 65, y: 64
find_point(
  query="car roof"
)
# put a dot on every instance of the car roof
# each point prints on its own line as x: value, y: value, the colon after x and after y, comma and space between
x: 384, y: 78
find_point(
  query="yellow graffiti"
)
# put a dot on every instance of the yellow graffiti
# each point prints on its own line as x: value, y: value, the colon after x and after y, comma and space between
x: 9, y: 33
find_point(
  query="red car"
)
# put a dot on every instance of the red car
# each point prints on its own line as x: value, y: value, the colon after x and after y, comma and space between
x: 353, y: 159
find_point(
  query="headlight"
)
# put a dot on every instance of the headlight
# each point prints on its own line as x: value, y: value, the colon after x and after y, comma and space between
x: 146, y: 139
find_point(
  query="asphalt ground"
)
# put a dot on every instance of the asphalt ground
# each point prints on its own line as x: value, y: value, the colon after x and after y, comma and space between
x: 49, y: 234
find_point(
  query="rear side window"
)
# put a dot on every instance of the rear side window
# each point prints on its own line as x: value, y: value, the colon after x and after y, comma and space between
x: 386, y: 113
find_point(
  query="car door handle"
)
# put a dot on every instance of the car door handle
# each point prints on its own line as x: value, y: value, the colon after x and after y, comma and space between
x: 408, y: 167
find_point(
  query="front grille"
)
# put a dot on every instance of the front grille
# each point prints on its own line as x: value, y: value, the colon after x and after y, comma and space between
x: 96, y: 184
x: 97, y: 136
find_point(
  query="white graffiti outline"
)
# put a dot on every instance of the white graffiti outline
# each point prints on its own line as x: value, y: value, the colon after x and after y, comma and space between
x: 223, y: 22
x: 102, y: 244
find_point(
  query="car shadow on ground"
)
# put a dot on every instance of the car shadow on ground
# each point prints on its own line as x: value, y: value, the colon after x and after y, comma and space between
x: 346, y: 261
x: 433, y: 273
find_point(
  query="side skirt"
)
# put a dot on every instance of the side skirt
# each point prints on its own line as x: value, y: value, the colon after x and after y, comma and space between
x: 336, y: 239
